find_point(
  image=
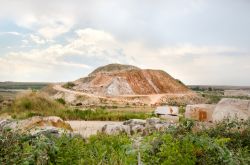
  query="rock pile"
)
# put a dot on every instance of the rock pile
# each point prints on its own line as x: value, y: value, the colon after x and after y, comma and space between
x: 37, y: 125
x: 134, y: 126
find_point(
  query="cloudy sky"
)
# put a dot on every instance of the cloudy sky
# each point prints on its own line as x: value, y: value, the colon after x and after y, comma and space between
x: 196, y: 41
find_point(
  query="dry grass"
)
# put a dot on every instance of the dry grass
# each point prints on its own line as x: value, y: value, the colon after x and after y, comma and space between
x: 38, y: 104
x: 32, y: 104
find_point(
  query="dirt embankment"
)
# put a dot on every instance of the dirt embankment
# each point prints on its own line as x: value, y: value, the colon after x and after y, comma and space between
x: 126, y: 84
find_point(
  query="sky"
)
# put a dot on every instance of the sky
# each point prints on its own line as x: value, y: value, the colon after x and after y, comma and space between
x: 204, y: 42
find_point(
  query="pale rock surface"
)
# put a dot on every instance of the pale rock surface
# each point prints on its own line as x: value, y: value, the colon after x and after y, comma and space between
x: 170, y: 118
x: 200, y: 112
x: 134, y: 126
x: 37, y: 125
x: 135, y: 122
x: 231, y: 108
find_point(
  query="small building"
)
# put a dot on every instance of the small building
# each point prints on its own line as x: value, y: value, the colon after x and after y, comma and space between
x: 167, y: 110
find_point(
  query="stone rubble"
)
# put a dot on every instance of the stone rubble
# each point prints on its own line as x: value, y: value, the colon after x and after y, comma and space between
x: 134, y: 126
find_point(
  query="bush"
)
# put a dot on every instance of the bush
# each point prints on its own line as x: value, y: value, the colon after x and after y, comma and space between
x: 105, y: 149
x: 101, y: 149
x: 61, y: 100
x: 69, y: 85
x: 1, y: 98
x: 23, y: 149
x: 225, y: 143
x: 164, y: 149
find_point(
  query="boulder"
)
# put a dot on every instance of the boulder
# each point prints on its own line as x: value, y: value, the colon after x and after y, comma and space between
x: 200, y: 112
x: 137, y: 129
x: 114, y: 129
x: 231, y: 108
x: 163, y: 126
x: 167, y: 110
x: 37, y: 125
x: 47, y: 131
x: 126, y: 129
x: 133, y: 122
x: 153, y: 121
x: 170, y: 118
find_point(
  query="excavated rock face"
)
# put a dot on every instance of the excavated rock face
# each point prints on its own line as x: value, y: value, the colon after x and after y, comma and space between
x: 200, y: 112
x: 232, y: 108
x: 116, y: 80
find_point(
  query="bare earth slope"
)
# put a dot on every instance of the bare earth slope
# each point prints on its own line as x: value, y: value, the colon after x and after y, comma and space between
x: 129, y: 81
x: 123, y: 84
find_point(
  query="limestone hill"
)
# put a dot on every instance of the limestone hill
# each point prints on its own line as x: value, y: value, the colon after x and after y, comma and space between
x: 117, y: 84
x: 117, y: 79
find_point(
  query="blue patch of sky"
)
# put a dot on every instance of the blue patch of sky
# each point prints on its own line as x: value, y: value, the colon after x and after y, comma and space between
x: 10, y: 42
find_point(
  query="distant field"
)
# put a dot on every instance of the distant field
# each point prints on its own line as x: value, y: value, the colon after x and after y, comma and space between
x: 22, y: 85
x: 8, y: 94
x: 217, y: 87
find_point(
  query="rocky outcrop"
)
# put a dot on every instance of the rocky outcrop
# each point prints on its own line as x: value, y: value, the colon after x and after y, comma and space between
x: 122, y: 85
x: 116, y: 80
x: 232, y: 108
x: 200, y: 112
x: 137, y: 126
x: 37, y: 125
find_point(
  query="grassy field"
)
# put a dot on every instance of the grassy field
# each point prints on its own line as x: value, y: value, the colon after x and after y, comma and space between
x: 36, y: 104
x: 22, y: 85
x: 214, y: 95
x: 8, y: 94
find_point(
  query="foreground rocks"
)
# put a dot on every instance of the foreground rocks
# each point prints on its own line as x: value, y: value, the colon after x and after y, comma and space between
x: 134, y: 126
x: 232, y: 108
x: 37, y: 125
x: 200, y: 112
x: 227, y: 108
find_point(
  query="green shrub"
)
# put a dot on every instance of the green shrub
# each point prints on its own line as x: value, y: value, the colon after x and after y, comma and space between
x: 69, y: 150
x: 164, y: 149
x: 101, y: 149
x: 61, y: 100
x: 1, y: 98
x: 69, y: 85
x: 23, y: 149
x: 225, y: 143
x: 105, y: 149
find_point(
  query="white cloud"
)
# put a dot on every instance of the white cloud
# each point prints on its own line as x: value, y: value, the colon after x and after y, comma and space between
x: 11, y: 33
x: 37, y: 39
x: 192, y: 64
x: 54, y: 27
x: 47, y: 25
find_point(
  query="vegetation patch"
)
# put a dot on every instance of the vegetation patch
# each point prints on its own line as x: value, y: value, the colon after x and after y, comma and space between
x: 225, y: 143
x: 33, y: 104
x: 69, y: 85
x: 37, y: 104
x: 103, y: 115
